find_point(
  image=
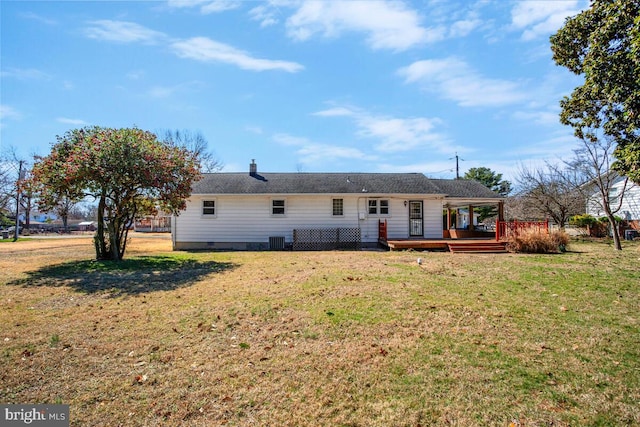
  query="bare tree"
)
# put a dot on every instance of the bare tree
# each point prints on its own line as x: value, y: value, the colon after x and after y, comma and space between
x: 592, y: 175
x: 7, y: 185
x: 196, y: 143
x: 64, y: 209
x: 14, y: 195
x: 548, y: 192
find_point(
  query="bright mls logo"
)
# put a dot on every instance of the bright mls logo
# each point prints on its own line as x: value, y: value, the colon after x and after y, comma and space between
x: 35, y: 415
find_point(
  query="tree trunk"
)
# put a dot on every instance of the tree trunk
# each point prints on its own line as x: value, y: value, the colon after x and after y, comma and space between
x: 617, y: 244
x: 114, y: 240
x: 102, y: 252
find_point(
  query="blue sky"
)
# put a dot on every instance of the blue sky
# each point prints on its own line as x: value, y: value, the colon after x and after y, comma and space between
x: 312, y: 86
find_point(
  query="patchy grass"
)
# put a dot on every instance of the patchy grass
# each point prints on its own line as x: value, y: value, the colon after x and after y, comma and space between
x: 327, y: 338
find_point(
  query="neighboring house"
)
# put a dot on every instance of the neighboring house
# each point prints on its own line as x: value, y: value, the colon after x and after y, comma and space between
x: 37, y: 216
x: 87, y: 226
x: 630, y: 208
x: 160, y: 223
x: 253, y: 211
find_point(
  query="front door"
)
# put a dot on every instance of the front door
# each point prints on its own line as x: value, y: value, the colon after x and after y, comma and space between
x: 415, y: 219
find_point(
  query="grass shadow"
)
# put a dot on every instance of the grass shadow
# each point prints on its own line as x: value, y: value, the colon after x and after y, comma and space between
x: 131, y: 276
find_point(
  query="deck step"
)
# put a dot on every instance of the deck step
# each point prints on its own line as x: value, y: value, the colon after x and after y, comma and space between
x: 484, y: 247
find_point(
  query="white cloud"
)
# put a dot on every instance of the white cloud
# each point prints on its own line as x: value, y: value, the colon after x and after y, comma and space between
x: 395, y: 134
x: 185, y: 3
x: 74, y: 122
x: 545, y: 118
x: 313, y: 152
x: 25, y: 74
x: 439, y: 169
x: 206, y: 6
x: 335, y: 112
x: 135, y: 74
x: 122, y: 32
x: 401, y: 134
x: 254, y: 129
x: 388, y: 25
x: 557, y: 145
x: 464, y: 27
x: 8, y: 113
x: 199, y: 48
x: 39, y: 18
x: 219, y: 6
x: 290, y: 140
x: 454, y: 79
x: 266, y: 15
x: 207, y: 50
x: 540, y: 18
x: 162, y: 91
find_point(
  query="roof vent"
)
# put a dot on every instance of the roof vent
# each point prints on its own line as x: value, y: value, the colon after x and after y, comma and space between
x: 253, y: 168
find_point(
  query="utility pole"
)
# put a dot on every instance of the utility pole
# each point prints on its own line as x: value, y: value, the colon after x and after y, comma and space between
x: 457, y: 165
x: 18, y: 183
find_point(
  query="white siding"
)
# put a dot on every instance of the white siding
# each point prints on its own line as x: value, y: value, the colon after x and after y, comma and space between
x: 433, y: 219
x: 398, y: 224
x: 630, y: 209
x: 248, y: 218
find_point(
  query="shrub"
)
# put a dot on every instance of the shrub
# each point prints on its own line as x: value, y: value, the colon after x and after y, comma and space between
x: 538, y: 242
x: 583, y: 221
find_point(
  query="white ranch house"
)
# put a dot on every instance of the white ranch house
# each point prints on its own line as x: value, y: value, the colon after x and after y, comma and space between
x: 261, y: 211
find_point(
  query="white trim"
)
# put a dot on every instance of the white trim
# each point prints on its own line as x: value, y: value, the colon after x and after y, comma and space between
x: 333, y: 199
x: 284, y: 207
x: 215, y: 208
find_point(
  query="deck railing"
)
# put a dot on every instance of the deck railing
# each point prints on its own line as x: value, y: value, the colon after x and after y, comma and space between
x: 506, y: 229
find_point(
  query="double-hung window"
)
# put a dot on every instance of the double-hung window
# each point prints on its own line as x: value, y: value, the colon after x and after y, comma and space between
x: 278, y: 207
x: 338, y: 207
x: 373, y: 207
x: 209, y: 207
x: 384, y: 207
x: 378, y: 207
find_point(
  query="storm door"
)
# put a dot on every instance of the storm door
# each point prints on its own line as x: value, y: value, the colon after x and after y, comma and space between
x: 415, y: 219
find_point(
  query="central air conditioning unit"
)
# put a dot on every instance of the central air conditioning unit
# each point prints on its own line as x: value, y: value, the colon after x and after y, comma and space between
x: 276, y: 243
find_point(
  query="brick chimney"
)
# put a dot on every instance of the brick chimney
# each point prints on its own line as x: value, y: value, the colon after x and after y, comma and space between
x: 253, y: 168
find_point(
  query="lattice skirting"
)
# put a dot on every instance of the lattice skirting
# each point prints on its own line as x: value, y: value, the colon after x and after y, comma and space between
x: 326, y: 239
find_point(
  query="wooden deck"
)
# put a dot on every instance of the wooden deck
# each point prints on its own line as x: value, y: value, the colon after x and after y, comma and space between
x: 452, y: 245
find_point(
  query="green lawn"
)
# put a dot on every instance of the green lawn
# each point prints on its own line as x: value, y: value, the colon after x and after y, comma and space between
x: 324, y: 338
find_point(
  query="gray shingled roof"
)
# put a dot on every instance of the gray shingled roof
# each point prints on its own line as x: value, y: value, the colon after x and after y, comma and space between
x: 337, y: 183
x: 465, y: 188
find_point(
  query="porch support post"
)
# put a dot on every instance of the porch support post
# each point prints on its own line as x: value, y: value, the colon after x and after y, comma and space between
x: 471, y: 226
x: 500, y: 211
x: 448, y: 218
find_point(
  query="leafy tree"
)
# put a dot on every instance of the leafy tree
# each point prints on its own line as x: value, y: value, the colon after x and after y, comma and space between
x: 602, y: 43
x: 491, y: 180
x: 127, y: 171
